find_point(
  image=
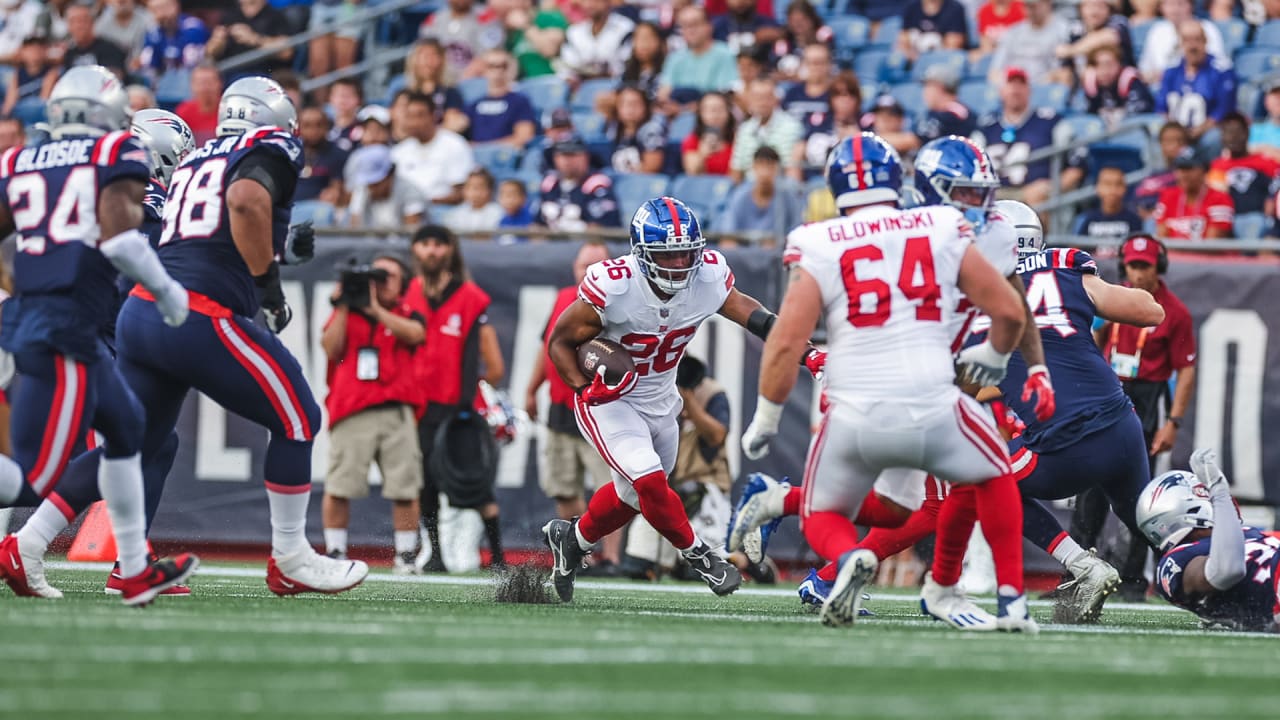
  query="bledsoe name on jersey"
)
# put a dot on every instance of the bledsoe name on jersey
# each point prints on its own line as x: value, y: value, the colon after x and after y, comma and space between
x: 888, y: 283
x: 655, y: 331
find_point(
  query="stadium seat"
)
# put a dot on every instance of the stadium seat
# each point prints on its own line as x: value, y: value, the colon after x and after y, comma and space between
x: 173, y: 87
x: 1249, y: 100
x: 546, y: 93
x: 1050, y: 95
x: 1077, y: 126
x: 396, y: 84
x: 584, y: 100
x: 29, y: 111
x: 867, y: 65
x: 1250, y: 226
x: 979, y: 96
x: 1254, y: 62
x: 910, y: 96
x: 977, y: 70
x: 472, y: 89
x: 1268, y: 35
x: 590, y: 125
x: 706, y: 194
x: 681, y: 125
x: 497, y: 157
x: 851, y: 34
x: 633, y: 189
x: 1235, y: 33
x: 953, y: 59
x: 1138, y: 34
x: 887, y: 34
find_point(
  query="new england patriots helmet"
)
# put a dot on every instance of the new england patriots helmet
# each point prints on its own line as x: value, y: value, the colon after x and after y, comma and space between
x: 863, y: 170
x: 1026, y: 222
x: 168, y: 138
x: 87, y: 100
x: 1171, y: 506
x: 954, y: 171
x: 667, y: 242
x: 254, y: 102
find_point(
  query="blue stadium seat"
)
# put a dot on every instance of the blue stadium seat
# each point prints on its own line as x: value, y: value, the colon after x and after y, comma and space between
x: 1253, y: 62
x: 851, y: 34
x: 634, y: 189
x: 1249, y: 100
x: 910, y: 96
x: 1138, y: 34
x: 1235, y: 33
x: 396, y: 84
x: 1250, y: 226
x: 706, y: 194
x: 681, y: 125
x: 546, y: 93
x: 867, y: 65
x: 1077, y: 126
x: 954, y: 59
x: 173, y: 87
x: 590, y: 125
x: 979, y: 96
x: 827, y: 9
x: 1050, y: 95
x: 472, y: 89
x: 29, y: 111
x: 887, y: 33
x: 584, y: 100
x: 496, y: 157
x: 977, y: 70
x: 1268, y: 35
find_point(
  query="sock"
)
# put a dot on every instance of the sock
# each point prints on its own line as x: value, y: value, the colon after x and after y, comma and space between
x: 336, y: 539
x: 43, y: 526
x: 955, y: 526
x: 791, y: 504
x: 288, y: 505
x: 887, y: 542
x: 120, y: 482
x: 1000, y: 512
x: 662, y: 508
x: 876, y: 513
x: 11, y: 481
x: 1065, y: 550
x: 827, y: 573
x: 493, y: 531
x: 406, y: 541
x: 605, y: 513
x: 830, y: 534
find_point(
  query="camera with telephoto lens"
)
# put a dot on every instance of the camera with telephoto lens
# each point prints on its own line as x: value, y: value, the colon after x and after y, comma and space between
x: 355, y: 277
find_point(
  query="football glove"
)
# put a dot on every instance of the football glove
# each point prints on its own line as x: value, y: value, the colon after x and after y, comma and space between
x: 762, y: 430
x: 1204, y: 463
x: 1038, y: 384
x: 600, y: 392
x: 814, y: 361
x: 982, y: 365
x: 275, y: 309
x: 300, y: 244
x: 173, y: 304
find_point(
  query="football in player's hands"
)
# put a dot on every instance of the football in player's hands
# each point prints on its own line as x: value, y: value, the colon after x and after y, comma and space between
x: 602, y: 352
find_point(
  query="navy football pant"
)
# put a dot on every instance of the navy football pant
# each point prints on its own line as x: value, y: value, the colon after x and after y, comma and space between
x: 1113, y: 459
x: 78, y: 488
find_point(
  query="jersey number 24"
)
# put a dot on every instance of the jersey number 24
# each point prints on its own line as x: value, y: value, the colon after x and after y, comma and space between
x: 74, y: 216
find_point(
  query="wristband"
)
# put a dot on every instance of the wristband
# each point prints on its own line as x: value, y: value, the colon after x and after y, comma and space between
x: 1037, y: 369
x: 760, y: 322
x: 268, y: 278
x: 768, y: 414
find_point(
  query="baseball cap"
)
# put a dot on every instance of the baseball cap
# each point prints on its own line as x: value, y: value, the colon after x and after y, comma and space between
x: 561, y: 118
x: 889, y: 103
x: 570, y: 144
x: 374, y: 112
x: 370, y: 164
x: 1016, y: 73
x: 1141, y: 248
x: 1189, y: 158
x: 947, y: 76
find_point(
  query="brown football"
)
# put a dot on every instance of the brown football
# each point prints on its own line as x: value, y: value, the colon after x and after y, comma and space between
x: 602, y: 352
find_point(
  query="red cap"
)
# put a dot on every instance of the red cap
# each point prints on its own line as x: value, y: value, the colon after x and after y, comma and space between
x: 1141, y: 249
x: 1016, y: 73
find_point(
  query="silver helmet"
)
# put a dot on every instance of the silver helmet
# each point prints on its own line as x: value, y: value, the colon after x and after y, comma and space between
x: 1027, y: 224
x: 1171, y: 506
x: 254, y: 102
x: 87, y: 100
x: 167, y: 137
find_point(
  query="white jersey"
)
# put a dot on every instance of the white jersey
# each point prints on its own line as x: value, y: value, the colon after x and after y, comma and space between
x: 998, y: 243
x: 653, y: 330
x: 888, y: 281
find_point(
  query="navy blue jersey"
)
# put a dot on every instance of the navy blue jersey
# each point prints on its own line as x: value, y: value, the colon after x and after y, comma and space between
x: 1251, y: 604
x: 1009, y: 144
x: 1101, y: 226
x: 591, y: 202
x: 63, y: 285
x: 955, y: 119
x: 195, y: 244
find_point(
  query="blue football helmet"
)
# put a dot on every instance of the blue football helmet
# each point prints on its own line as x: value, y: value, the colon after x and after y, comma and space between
x: 667, y: 241
x: 954, y: 171
x: 863, y: 170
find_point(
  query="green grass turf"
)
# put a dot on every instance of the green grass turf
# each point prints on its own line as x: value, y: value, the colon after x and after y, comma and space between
x: 442, y: 647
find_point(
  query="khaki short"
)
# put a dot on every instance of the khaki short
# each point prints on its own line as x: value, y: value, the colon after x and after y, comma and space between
x: 569, y: 457
x: 387, y: 435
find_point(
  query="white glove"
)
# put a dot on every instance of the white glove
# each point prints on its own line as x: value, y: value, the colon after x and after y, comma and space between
x: 982, y: 365
x: 762, y: 430
x: 1204, y: 463
x: 173, y: 304
x: 7, y: 369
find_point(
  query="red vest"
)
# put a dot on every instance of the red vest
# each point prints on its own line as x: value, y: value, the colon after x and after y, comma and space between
x: 439, y: 362
x: 396, y: 382
x: 561, y: 394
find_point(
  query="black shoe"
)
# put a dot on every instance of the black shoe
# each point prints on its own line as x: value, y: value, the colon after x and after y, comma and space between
x: 764, y: 572
x: 719, y: 574
x: 566, y: 554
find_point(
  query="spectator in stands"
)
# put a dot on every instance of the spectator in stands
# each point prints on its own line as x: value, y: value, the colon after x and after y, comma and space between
x: 436, y: 159
x: 1162, y: 50
x: 929, y: 25
x: 346, y: 97
x: 12, y: 134
x: 1200, y: 90
x: 337, y: 48
x: 425, y: 73
x: 52, y: 23
x: 844, y: 119
x: 374, y: 125
x: 464, y: 33
x: 381, y: 197
x: 888, y: 120
x: 766, y: 126
x: 200, y: 112
x: 291, y: 83
x: 742, y: 26
x: 252, y: 25
x: 513, y: 198
x: 708, y: 149
x: 374, y: 399
x: 994, y: 17
x: 810, y: 101
x: 1111, y: 221
x: 1191, y: 210
x: 1016, y: 132
x: 503, y: 115
x: 125, y: 25
x: 17, y: 23
x: 769, y: 204
x: 804, y: 28
x: 322, y: 160
x: 705, y: 64
x: 597, y: 46
x: 32, y: 80
x: 753, y: 65
x: 648, y: 54
x: 176, y: 41
x: 573, y: 198
x: 140, y: 97
x: 1114, y: 90
x: 1098, y: 27
x: 1173, y: 139
x: 86, y: 48
x: 639, y: 137
x: 1141, y: 12
x: 944, y: 114
x: 1249, y: 178
x: 477, y: 212
x: 1264, y: 136
x: 535, y: 37
x: 1031, y: 45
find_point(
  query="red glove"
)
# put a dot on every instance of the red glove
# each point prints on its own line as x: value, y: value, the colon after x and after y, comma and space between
x: 815, y: 360
x: 599, y: 392
x: 1038, y: 384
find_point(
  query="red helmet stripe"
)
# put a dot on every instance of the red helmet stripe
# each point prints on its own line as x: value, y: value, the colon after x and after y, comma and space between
x: 675, y: 216
x: 857, y: 162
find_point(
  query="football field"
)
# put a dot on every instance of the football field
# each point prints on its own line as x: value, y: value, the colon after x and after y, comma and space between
x: 441, y: 646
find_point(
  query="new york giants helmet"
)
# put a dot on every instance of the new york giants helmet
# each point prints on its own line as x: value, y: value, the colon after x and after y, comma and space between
x: 1171, y: 506
x: 954, y: 171
x: 254, y: 102
x: 87, y: 100
x: 1026, y: 222
x: 168, y: 138
x: 667, y: 242
x: 863, y: 170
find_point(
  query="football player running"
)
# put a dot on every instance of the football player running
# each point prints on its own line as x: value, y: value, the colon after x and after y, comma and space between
x: 1212, y: 565
x: 889, y: 281
x: 652, y: 301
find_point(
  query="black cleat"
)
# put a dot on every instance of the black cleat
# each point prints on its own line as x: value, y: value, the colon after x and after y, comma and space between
x: 566, y: 554
x: 719, y: 574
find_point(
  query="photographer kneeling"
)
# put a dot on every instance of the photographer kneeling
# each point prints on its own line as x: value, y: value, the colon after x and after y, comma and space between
x: 373, y: 402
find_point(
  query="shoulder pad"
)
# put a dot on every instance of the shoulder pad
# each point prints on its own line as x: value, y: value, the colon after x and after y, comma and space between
x: 596, y: 182
x: 1073, y: 259
x: 715, y: 269
x: 276, y: 138
x: 598, y: 285
x: 8, y: 160
x: 109, y: 148
x: 796, y: 239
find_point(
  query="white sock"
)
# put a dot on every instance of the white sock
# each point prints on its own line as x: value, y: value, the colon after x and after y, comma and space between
x: 41, y: 528
x: 582, y: 542
x: 1068, y: 551
x: 10, y: 480
x: 406, y: 541
x: 288, y: 521
x: 335, y: 539
x: 120, y: 482
x: 696, y: 542
x: 1007, y: 591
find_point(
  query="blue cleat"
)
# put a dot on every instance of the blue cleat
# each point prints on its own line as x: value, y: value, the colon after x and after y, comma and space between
x: 757, y: 515
x: 814, y: 591
x: 857, y: 570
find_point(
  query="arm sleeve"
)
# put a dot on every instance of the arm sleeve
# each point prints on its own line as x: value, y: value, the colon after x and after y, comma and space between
x: 272, y: 171
x: 1226, y: 564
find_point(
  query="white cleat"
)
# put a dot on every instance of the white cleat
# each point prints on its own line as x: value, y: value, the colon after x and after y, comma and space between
x: 308, y: 571
x: 951, y: 606
x: 24, y: 571
x: 857, y: 570
x: 1015, y: 617
x: 762, y: 502
x: 1094, y: 581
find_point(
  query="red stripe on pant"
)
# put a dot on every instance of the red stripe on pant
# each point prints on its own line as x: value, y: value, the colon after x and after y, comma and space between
x: 50, y: 479
x: 984, y: 437
x: 307, y: 431
x: 583, y: 413
x: 262, y: 381
x: 810, y: 467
